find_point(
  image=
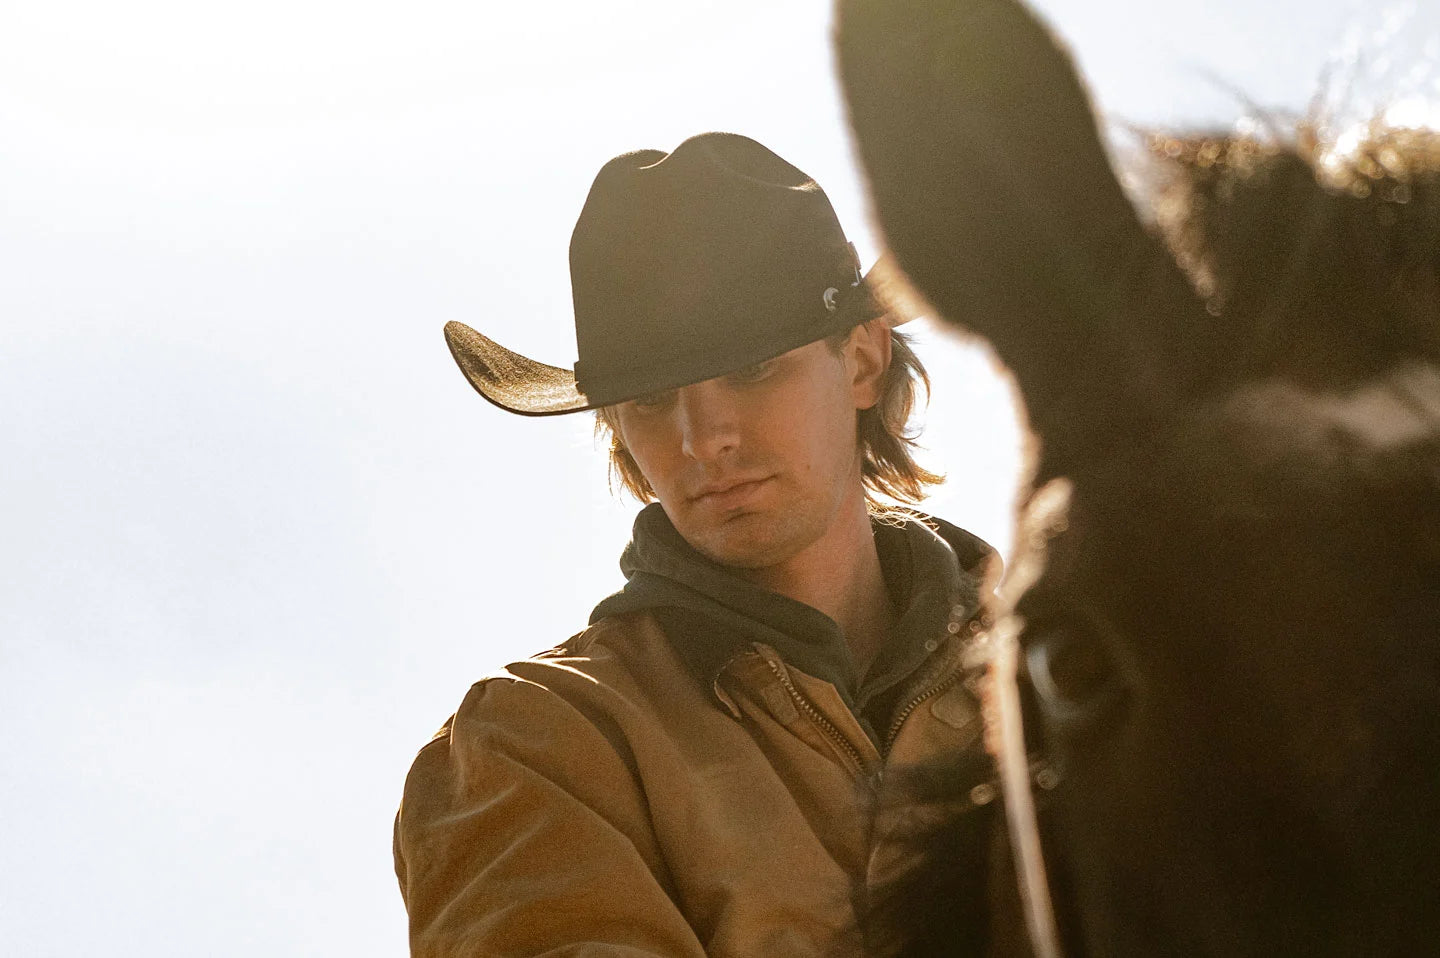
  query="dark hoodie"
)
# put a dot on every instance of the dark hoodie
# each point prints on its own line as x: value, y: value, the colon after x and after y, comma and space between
x: 932, y: 571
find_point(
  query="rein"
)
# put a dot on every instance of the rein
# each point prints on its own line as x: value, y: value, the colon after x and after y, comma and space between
x: 1005, y: 740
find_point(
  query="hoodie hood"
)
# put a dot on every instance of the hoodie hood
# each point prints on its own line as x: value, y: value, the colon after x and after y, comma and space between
x: 932, y: 571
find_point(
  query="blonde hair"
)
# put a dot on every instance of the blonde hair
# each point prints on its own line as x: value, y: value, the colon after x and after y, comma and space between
x: 888, y: 468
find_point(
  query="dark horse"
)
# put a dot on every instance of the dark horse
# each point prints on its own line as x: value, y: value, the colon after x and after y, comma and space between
x: 1230, y: 645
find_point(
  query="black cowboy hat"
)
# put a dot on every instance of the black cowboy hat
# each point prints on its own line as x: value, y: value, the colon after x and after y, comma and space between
x: 685, y: 266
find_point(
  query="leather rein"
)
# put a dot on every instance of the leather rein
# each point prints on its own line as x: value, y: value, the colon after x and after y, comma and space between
x: 999, y: 652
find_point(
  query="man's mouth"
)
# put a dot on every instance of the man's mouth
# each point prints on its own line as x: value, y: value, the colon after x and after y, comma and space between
x: 729, y: 493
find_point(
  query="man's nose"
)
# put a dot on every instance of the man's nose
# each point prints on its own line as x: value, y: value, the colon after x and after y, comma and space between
x: 709, y: 427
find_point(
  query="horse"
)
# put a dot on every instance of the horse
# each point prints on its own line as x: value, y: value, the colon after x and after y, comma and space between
x: 1227, y: 617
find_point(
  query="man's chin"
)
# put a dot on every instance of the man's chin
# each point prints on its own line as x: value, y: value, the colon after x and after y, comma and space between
x: 741, y: 542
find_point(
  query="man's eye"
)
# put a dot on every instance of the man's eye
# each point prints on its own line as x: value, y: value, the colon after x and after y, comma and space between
x: 752, y: 373
x: 654, y: 400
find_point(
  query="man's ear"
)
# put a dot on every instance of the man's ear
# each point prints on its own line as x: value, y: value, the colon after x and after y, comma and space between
x: 867, y: 358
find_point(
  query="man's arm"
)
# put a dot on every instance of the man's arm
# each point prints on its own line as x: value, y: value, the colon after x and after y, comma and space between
x: 523, y: 831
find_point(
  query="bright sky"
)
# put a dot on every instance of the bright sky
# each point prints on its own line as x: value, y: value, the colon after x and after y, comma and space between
x: 256, y: 533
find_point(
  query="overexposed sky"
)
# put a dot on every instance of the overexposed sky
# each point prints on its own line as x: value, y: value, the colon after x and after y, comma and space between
x: 257, y: 535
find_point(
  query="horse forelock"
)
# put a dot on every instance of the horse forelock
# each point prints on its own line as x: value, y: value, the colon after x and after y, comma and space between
x: 1320, y: 273
x: 1315, y: 266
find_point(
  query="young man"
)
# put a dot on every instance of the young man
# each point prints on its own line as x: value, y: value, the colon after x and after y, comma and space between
x: 700, y: 771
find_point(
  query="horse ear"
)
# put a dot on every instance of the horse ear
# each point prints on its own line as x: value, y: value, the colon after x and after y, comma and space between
x: 994, y: 192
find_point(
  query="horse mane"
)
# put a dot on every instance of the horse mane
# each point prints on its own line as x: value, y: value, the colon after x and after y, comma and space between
x: 1318, y: 266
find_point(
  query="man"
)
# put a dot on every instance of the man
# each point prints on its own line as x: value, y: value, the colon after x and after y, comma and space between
x: 699, y: 771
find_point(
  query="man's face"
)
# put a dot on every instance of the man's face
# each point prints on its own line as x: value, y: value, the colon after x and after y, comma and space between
x: 755, y: 466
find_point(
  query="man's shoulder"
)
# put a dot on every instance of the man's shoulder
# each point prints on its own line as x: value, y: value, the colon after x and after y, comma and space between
x: 612, y: 655
x: 619, y: 665
x: 619, y: 638
x: 973, y: 553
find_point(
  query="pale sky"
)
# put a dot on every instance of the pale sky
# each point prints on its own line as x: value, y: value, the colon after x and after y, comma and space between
x: 257, y: 535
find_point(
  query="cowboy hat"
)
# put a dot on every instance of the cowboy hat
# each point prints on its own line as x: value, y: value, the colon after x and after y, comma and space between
x: 684, y: 266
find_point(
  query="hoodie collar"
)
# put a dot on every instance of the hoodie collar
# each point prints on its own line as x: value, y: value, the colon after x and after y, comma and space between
x: 932, y: 570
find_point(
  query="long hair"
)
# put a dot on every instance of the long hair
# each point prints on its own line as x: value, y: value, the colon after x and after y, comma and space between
x: 888, y: 468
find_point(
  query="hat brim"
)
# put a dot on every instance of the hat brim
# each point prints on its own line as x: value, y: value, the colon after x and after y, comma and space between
x: 894, y: 294
x: 525, y: 386
x: 511, y: 381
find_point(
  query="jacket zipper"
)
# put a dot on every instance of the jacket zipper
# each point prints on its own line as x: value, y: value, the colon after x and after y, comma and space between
x: 818, y: 718
x: 953, y: 628
x: 915, y: 703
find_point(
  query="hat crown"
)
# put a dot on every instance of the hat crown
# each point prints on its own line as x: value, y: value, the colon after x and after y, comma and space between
x: 703, y: 260
x: 684, y: 266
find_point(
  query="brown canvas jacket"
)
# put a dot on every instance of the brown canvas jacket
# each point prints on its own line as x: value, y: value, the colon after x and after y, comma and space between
x: 605, y: 799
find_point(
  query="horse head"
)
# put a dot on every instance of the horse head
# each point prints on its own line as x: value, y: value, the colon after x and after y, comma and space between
x: 1230, y: 633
